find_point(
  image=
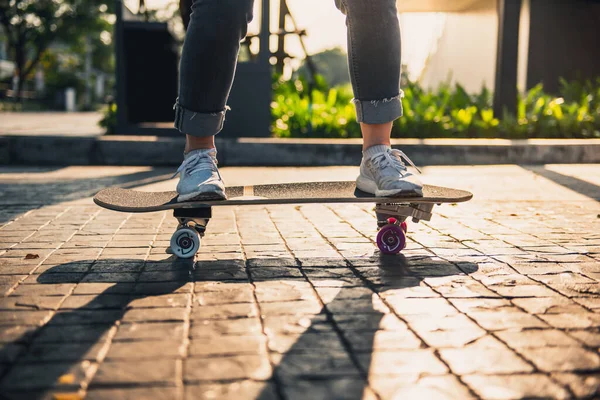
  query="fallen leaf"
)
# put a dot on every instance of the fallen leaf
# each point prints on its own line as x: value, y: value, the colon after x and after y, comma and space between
x: 67, y: 396
x: 32, y: 256
x: 66, y: 379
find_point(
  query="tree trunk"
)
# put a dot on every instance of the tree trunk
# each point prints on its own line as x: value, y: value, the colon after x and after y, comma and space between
x: 19, y: 94
x: 20, y: 64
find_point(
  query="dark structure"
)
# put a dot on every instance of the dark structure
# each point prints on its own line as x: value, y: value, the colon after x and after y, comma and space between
x: 147, y: 79
x: 562, y: 41
x: 505, y: 94
x: 149, y: 72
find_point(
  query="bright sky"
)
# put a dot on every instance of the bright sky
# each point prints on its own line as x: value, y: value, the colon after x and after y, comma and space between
x: 326, y: 28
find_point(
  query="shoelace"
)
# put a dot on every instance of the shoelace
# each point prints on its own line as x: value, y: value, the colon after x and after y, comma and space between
x: 393, y: 158
x: 194, y: 163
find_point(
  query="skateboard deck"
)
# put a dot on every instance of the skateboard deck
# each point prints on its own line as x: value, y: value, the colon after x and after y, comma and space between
x: 193, y: 216
x: 128, y: 200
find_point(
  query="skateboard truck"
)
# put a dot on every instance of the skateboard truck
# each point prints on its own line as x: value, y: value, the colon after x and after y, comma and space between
x: 196, y: 218
x: 185, y: 242
x: 418, y: 212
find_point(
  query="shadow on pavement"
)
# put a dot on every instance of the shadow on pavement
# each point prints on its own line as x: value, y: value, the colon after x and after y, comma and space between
x: 328, y: 352
x: 570, y: 182
x: 57, y: 356
x: 333, y: 355
x: 18, y: 198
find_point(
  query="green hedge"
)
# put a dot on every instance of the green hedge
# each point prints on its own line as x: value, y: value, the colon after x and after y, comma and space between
x: 449, y: 112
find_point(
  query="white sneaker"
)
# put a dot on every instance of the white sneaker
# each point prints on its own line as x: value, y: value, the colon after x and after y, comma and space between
x: 199, y: 177
x: 384, y: 174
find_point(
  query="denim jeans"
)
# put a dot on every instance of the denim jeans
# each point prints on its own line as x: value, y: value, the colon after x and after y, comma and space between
x: 212, y: 44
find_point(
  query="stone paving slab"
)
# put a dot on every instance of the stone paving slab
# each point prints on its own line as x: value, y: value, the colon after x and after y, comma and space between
x: 498, y: 298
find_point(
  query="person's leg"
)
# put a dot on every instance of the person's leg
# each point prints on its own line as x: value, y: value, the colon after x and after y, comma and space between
x: 374, y: 134
x: 374, y: 59
x: 207, y: 69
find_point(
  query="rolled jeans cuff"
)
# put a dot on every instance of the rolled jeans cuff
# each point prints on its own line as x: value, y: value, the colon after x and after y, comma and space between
x: 379, y: 111
x: 198, y: 124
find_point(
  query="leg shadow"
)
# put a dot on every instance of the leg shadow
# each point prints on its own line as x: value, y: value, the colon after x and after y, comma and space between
x: 60, y: 355
x: 332, y: 354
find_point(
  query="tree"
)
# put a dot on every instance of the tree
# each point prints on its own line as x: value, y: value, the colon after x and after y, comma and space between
x: 31, y: 26
x: 332, y: 64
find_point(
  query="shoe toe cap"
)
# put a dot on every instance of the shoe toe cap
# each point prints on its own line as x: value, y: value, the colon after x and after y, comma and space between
x: 408, y: 182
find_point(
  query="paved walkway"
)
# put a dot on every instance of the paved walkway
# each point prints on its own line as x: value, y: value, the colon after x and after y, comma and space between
x: 51, y: 123
x: 498, y: 298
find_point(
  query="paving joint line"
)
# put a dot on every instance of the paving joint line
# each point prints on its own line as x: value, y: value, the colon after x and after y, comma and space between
x: 493, y: 334
x: 52, y: 312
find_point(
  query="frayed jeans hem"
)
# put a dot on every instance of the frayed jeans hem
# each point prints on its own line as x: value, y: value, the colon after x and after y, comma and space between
x: 198, y: 124
x: 378, y: 111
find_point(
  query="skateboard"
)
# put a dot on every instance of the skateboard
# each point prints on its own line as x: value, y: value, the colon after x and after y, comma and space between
x: 193, y: 216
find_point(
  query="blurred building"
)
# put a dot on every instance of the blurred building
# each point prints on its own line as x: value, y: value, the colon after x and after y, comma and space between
x: 522, y: 42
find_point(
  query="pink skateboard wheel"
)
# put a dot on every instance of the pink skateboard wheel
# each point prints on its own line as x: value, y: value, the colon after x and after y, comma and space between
x: 391, y: 239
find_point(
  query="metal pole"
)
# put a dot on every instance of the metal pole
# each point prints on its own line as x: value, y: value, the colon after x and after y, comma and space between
x: 505, y: 94
x: 88, y: 72
x: 265, y: 32
x: 120, y: 69
x: 280, y: 54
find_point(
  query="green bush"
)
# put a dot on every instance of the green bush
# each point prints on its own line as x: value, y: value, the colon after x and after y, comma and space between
x: 298, y: 111
x: 301, y: 111
x: 449, y: 112
x: 109, y: 118
x: 575, y: 114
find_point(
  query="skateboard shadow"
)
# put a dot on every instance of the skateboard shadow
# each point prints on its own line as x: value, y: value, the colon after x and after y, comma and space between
x: 326, y: 352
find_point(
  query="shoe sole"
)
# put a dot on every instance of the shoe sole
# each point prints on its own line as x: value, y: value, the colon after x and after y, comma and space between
x: 369, y: 186
x: 199, y: 196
